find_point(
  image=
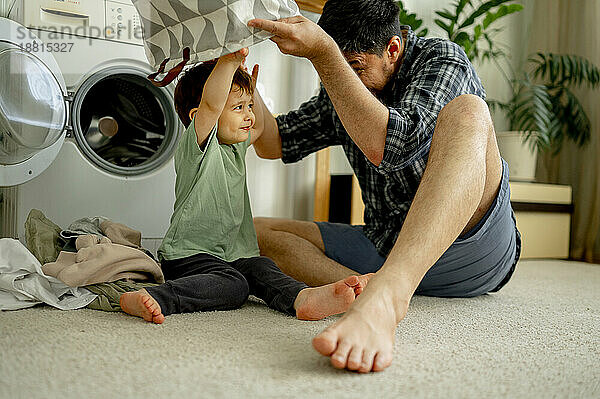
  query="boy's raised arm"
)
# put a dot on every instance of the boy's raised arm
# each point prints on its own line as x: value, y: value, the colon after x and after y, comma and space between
x: 215, y: 93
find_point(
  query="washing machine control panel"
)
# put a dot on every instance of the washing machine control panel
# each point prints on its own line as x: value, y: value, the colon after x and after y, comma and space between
x: 123, y: 23
x: 115, y: 20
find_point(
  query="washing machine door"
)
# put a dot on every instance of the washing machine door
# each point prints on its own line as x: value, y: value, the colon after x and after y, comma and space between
x: 33, y: 110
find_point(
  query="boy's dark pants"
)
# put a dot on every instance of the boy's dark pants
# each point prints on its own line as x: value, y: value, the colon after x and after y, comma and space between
x: 203, y: 282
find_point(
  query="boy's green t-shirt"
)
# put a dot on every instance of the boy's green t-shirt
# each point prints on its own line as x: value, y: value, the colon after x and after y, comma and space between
x: 212, y: 209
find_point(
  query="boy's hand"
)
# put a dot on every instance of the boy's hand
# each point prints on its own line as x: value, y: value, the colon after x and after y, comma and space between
x: 254, y: 77
x: 254, y: 74
x: 259, y: 107
x: 238, y: 57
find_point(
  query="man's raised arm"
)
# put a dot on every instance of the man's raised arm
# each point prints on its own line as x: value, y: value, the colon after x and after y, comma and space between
x: 364, y: 117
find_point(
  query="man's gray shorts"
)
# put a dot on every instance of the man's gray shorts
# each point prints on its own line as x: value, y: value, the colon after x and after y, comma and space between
x: 481, y: 261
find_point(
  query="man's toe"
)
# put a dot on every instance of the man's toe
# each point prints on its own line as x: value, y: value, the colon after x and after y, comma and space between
x: 367, y: 362
x: 382, y: 361
x: 355, y: 358
x: 326, y: 342
x: 339, y: 359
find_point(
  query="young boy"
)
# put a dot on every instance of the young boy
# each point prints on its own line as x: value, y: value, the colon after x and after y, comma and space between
x: 210, y: 255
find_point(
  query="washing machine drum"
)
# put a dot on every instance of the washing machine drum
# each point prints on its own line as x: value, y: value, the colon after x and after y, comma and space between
x: 32, y: 107
x: 123, y: 123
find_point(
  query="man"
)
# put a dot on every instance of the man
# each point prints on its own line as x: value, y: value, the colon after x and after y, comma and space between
x: 410, y: 115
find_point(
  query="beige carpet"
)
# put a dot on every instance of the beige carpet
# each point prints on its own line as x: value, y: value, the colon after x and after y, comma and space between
x: 537, y: 338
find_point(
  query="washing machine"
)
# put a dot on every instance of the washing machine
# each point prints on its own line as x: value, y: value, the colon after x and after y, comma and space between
x: 83, y: 132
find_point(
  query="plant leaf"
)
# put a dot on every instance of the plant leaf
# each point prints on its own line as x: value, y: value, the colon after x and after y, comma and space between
x: 566, y: 70
x: 483, y: 8
x: 502, y: 11
x: 531, y: 110
x: 461, y: 38
x: 495, y: 104
x: 411, y: 20
x: 460, y: 5
x: 478, y: 30
x: 446, y: 14
x: 575, y: 122
x: 442, y: 25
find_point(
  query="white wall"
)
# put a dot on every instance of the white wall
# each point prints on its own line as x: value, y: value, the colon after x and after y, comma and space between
x: 278, y: 190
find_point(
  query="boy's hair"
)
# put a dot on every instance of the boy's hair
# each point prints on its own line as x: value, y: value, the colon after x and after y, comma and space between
x: 188, y: 91
x: 361, y: 26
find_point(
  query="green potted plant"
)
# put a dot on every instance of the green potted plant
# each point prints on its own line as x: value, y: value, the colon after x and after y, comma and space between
x: 542, y: 109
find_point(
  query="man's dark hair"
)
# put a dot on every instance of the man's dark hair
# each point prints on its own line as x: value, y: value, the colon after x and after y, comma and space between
x: 188, y: 92
x: 361, y: 26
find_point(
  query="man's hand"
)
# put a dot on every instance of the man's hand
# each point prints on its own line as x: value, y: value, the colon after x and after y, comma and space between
x: 297, y: 36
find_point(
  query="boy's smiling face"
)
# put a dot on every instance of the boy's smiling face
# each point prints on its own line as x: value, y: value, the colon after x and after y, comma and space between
x: 237, y: 117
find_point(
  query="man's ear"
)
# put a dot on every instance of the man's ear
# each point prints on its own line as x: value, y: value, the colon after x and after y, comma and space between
x: 394, y: 48
x: 192, y: 113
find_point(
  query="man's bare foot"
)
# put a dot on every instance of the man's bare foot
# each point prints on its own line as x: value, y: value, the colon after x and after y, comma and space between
x: 363, y: 339
x: 320, y: 302
x: 141, y: 304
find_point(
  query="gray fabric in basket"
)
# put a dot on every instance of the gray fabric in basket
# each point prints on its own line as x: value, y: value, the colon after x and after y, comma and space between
x: 210, y: 28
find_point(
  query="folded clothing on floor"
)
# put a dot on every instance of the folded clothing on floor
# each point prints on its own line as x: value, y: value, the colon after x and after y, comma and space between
x: 102, y: 261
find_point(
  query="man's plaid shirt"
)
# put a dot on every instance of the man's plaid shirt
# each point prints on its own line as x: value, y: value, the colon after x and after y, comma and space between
x: 433, y: 72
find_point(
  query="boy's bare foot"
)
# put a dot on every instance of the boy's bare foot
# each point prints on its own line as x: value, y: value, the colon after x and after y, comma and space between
x: 320, y: 302
x: 141, y: 304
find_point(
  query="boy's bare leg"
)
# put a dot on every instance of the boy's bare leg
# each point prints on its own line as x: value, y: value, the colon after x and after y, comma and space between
x: 141, y: 304
x: 320, y: 302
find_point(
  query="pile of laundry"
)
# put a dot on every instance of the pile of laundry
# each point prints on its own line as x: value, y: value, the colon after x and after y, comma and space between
x: 89, y: 264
